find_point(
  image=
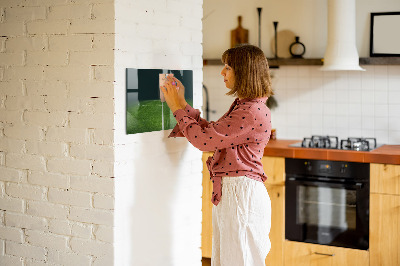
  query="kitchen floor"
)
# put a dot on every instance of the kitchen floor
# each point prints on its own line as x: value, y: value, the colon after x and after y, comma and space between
x: 206, y: 261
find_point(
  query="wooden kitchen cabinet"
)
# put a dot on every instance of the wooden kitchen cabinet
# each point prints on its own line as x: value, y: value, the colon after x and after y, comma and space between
x: 384, y: 236
x: 385, y: 178
x: 305, y: 254
x: 277, y: 233
x: 206, y: 225
x: 274, y: 168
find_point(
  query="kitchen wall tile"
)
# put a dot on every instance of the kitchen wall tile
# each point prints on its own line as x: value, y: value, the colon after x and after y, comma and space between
x: 380, y: 71
x: 368, y: 122
x: 394, y: 110
x: 394, y: 137
x: 304, y: 109
x: 317, y: 120
x: 292, y: 82
x: 367, y: 110
x: 394, y: 123
x: 394, y: 97
x: 367, y: 82
x: 293, y: 120
x: 342, y: 109
x: 394, y: 83
x: 355, y: 132
x: 342, y: 122
x: 329, y: 109
x: 393, y: 71
x: 328, y: 74
x: 367, y: 96
x: 342, y: 133
x: 381, y: 97
x: 304, y: 72
x: 355, y: 122
x: 329, y: 93
x: 342, y: 80
x: 380, y: 84
x: 354, y: 84
x: 355, y: 96
x: 303, y: 131
x: 369, y: 70
x: 367, y: 133
x: 291, y: 71
x: 316, y: 82
x: 317, y: 95
x: 278, y: 83
x: 381, y: 123
x: 315, y: 72
x: 278, y: 71
x: 317, y: 131
x: 304, y: 82
x: 355, y: 109
x: 342, y: 96
x: 381, y: 110
x: 329, y: 122
x: 381, y: 136
x: 317, y: 108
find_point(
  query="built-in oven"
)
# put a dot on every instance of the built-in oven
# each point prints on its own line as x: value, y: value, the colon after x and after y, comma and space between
x: 327, y: 202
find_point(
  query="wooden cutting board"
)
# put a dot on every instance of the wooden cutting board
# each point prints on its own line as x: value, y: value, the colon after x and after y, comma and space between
x: 239, y: 35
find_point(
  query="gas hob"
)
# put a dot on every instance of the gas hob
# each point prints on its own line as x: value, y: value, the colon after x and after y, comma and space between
x: 332, y: 142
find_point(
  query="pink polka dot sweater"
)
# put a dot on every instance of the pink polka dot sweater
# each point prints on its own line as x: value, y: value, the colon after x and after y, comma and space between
x: 238, y: 139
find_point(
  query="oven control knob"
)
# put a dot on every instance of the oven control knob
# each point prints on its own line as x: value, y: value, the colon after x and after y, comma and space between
x: 343, y: 168
x: 308, y: 166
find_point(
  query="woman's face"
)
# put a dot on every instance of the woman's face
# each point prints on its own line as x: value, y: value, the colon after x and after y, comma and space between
x: 229, y: 76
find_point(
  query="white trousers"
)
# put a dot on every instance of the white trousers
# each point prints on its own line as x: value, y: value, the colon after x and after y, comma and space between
x: 241, y: 223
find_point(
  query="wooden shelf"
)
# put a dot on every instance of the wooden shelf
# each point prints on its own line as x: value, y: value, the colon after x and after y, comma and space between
x: 274, y: 63
x: 380, y: 61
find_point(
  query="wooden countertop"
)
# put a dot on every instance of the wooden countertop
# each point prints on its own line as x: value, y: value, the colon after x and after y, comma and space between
x: 389, y: 154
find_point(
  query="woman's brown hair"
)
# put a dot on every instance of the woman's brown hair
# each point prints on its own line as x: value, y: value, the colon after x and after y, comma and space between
x: 250, y: 66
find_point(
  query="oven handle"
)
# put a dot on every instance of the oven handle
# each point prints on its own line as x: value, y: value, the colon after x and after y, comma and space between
x: 357, y: 185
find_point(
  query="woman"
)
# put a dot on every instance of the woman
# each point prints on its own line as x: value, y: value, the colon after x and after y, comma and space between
x: 242, y: 208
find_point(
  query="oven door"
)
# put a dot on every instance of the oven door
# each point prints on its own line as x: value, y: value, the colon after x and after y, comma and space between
x: 327, y: 213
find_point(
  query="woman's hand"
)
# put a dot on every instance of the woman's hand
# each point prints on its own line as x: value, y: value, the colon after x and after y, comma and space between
x: 171, y: 94
x: 181, y: 91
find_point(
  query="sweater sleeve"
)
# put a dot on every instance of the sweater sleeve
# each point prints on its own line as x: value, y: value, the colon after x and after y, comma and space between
x: 231, y: 130
x: 193, y: 113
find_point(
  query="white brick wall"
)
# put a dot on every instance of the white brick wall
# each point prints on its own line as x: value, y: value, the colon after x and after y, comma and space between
x: 59, y: 78
x: 56, y: 132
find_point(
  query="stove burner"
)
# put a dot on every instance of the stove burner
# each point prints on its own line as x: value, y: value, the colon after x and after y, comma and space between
x: 332, y: 142
x: 328, y: 142
x: 358, y: 144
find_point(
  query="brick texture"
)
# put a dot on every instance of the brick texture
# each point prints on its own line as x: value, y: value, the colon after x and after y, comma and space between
x: 62, y: 97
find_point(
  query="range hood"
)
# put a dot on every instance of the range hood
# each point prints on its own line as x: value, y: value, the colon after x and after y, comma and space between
x: 341, y: 51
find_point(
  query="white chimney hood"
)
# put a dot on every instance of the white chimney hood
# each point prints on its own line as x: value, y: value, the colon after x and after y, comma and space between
x: 341, y: 51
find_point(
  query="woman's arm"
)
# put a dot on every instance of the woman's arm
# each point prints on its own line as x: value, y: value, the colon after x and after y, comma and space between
x: 174, y: 92
x: 237, y: 128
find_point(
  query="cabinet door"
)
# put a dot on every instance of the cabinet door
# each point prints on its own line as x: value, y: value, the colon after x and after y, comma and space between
x: 385, y: 178
x: 384, y: 229
x: 206, y: 226
x: 304, y: 254
x: 274, y: 168
x: 277, y: 233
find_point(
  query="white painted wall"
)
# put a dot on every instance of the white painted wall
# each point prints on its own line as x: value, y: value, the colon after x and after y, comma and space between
x: 158, y: 180
x: 56, y: 132
x: 344, y: 103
